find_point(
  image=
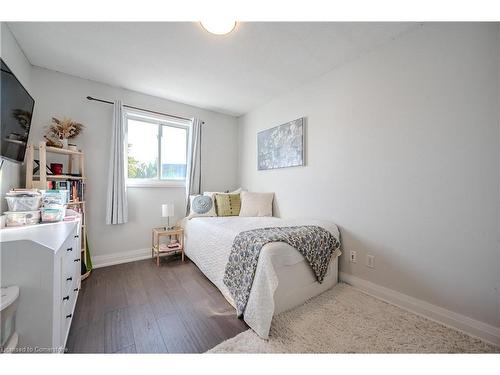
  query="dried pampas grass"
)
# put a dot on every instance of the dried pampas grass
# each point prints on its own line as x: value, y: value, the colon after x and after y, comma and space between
x: 65, y: 128
x: 62, y: 129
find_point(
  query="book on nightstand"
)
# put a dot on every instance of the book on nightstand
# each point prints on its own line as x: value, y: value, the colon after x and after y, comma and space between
x: 170, y: 247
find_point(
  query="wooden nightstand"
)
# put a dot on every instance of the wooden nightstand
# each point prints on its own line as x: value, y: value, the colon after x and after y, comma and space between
x: 157, y: 250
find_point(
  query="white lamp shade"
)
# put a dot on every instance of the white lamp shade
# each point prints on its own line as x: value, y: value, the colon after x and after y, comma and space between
x: 167, y: 210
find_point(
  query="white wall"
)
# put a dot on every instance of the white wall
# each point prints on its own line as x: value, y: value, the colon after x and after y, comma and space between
x: 402, y: 153
x: 10, y: 174
x: 62, y: 95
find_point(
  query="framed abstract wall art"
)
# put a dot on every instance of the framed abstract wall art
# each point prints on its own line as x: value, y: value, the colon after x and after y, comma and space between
x: 281, y: 146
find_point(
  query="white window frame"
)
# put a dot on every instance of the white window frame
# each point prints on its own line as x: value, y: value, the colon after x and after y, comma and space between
x: 160, y: 121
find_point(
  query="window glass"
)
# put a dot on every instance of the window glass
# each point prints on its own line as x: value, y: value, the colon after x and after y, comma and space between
x: 156, y: 151
x: 173, y: 153
x: 142, y: 149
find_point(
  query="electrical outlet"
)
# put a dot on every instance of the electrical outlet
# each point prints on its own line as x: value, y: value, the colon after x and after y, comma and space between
x: 370, y: 261
x: 353, y: 256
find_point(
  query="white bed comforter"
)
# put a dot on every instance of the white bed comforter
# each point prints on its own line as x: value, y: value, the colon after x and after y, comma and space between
x: 208, y: 242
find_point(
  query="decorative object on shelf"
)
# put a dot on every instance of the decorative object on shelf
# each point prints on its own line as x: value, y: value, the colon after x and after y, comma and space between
x: 60, y: 131
x: 52, y: 142
x: 167, y: 210
x: 36, y: 167
x: 281, y: 146
x: 56, y: 168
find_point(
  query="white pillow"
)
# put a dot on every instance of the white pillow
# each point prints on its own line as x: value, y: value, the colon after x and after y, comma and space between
x: 212, y: 193
x: 256, y: 204
x: 237, y: 191
x: 201, y: 206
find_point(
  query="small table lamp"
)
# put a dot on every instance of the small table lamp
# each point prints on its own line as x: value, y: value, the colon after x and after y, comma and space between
x: 167, y: 210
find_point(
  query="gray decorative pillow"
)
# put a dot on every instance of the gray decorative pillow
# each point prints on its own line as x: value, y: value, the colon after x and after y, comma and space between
x: 201, y: 205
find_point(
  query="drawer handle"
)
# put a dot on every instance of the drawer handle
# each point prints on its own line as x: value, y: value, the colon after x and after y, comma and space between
x: 69, y: 316
x: 75, y: 290
x: 66, y: 298
x: 69, y: 249
x: 77, y: 260
x: 77, y: 236
x: 69, y: 278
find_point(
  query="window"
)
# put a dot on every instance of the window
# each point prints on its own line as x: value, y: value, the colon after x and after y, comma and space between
x: 157, y: 150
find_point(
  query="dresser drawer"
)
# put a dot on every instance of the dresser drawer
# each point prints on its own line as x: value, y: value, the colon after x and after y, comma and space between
x: 71, y: 264
x: 68, y: 300
x: 71, y: 257
x: 70, y: 279
x: 67, y: 308
x: 68, y: 287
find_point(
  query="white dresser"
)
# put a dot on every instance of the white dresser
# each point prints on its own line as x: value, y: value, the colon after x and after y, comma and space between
x: 44, y: 261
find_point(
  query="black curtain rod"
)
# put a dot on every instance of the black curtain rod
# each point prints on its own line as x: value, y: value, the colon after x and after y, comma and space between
x: 141, y: 109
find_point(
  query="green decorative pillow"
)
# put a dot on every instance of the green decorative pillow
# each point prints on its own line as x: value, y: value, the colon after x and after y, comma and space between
x: 227, y: 204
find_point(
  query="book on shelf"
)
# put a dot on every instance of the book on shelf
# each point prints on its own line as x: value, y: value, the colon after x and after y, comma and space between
x: 170, y: 247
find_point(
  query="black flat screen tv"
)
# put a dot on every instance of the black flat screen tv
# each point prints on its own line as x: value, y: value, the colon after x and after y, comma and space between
x: 16, y: 109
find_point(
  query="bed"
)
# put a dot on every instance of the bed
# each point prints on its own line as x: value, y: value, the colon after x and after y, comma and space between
x: 283, y: 278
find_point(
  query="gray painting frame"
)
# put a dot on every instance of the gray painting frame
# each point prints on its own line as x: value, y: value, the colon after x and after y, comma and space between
x: 303, y: 141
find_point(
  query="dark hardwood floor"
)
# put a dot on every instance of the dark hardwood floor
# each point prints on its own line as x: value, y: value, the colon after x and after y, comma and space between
x: 141, y: 308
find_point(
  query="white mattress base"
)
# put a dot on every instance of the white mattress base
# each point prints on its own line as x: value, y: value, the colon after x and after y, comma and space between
x: 295, y: 285
x: 283, y: 279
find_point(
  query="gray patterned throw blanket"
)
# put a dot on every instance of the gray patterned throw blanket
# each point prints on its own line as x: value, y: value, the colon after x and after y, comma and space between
x: 316, y: 244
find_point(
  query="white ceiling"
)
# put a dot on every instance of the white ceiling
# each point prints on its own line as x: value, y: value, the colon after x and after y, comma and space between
x: 180, y: 61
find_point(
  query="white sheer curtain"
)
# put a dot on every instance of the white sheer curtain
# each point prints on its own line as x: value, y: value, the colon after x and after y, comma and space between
x: 193, y: 175
x: 116, y: 207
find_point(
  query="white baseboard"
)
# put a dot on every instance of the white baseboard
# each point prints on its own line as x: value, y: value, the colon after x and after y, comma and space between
x: 438, y: 314
x: 118, y: 258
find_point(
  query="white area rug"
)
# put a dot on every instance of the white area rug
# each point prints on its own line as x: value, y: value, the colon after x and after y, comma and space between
x: 345, y: 320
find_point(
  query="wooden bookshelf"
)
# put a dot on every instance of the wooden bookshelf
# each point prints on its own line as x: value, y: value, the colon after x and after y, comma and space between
x: 59, y: 177
x: 75, y: 159
x: 56, y: 150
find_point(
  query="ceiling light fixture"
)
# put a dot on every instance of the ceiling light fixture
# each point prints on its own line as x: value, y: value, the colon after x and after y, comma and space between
x: 218, y: 27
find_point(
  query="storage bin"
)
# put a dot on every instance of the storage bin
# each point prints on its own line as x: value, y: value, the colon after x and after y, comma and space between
x: 20, y: 218
x: 23, y: 201
x: 55, y: 197
x: 51, y: 214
